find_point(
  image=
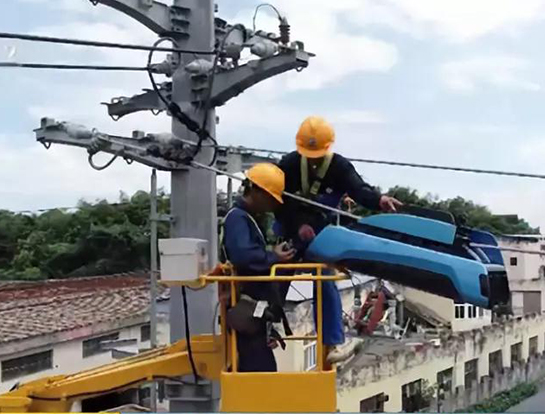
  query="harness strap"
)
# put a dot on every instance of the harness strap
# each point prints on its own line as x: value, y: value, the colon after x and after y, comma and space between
x: 282, y: 315
x: 313, y: 189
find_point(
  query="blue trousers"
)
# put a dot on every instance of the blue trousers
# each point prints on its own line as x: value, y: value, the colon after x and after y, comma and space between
x: 332, y: 314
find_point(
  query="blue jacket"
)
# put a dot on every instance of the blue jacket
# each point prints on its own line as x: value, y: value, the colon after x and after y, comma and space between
x: 245, y: 244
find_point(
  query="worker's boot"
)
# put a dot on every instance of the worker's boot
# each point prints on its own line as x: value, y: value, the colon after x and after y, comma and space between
x: 343, y: 352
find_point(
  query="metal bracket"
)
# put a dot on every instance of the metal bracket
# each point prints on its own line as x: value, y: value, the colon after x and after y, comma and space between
x: 234, y: 160
x: 141, y: 148
x: 231, y: 83
x: 227, y: 85
x: 154, y: 15
x: 147, y: 101
x: 162, y: 217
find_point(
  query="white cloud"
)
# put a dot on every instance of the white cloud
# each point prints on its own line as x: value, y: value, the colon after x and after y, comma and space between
x: 456, y: 20
x: 500, y: 71
x: 357, y: 117
x: 338, y: 53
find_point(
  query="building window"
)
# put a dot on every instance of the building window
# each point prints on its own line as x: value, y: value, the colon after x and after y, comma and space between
x: 93, y: 346
x: 481, y: 312
x: 542, y: 272
x: 472, y: 312
x: 542, y: 247
x: 516, y: 353
x: 145, y: 333
x: 532, y: 348
x: 444, y: 380
x: 26, y: 365
x: 374, y: 404
x: 411, y: 397
x: 310, y: 356
x: 459, y: 311
x: 495, y: 363
x: 513, y: 261
x: 471, y: 374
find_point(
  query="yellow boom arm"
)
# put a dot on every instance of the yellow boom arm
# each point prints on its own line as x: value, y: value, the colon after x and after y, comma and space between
x: 215, y: 358
x: 58, y: 393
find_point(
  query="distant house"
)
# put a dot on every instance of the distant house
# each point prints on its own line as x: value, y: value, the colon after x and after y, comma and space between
x: 526, y: 272
x: 56, y: 327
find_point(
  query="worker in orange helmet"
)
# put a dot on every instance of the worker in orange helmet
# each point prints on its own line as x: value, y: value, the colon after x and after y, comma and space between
x: 315, y: 172
x: 244, y: 246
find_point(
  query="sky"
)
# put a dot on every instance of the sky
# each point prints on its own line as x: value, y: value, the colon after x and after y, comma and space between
x: 451, y: 82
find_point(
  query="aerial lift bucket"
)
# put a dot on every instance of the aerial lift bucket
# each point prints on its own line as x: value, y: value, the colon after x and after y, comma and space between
x: 310, y: 391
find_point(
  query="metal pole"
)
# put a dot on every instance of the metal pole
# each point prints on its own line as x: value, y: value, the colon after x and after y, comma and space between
x: 194, y: 213
x: 229, y: 193
x: 153, y: 277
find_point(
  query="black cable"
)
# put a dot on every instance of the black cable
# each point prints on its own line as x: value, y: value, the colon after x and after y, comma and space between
x: 208, y: 100
x: 407, y: 164
x: 93, y: 43
x: 176, y: 111
x: 69, y: 67
x: 264, y: 5
x: 188, y: 336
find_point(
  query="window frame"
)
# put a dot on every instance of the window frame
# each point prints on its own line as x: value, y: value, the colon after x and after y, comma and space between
x: 39, y: 365
x: 310, y: 356
x: 96, y: 350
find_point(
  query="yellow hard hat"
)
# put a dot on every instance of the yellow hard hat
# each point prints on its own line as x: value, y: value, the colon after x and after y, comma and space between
x: 315, y: 137
x: 268, y: 177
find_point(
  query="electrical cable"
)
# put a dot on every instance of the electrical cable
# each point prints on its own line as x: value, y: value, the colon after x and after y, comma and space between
x: 70, y: 67
x: 208, y: 100
x: 103, y: 167
x: 407, y: 164
x: 264, y: 5
x: 188, y: 336
x: 93, y: 43
x: 175, y: 109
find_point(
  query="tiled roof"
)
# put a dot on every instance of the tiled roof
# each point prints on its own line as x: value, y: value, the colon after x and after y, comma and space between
x: 31, y: 309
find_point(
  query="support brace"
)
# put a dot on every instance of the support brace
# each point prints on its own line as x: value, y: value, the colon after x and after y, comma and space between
x: 138, y: 149
x: 227, y: 85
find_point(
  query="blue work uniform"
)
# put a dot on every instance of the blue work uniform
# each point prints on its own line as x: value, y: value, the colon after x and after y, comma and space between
x: 245, y: 248
x: 327, y: 187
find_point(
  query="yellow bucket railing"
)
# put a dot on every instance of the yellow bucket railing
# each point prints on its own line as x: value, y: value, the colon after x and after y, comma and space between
x: 316, y: 275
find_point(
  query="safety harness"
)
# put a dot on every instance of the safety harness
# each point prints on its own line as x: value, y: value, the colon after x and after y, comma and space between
x: 312, y: 189
x: 242, y: 318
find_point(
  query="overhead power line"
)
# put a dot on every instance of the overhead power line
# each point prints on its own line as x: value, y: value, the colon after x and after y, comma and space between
x: 409, y: 164
x: 70, y: 67
x: 93, y: 43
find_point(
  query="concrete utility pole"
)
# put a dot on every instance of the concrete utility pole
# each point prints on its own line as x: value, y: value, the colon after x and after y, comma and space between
x: 153, y: 277
x: 192, y: 26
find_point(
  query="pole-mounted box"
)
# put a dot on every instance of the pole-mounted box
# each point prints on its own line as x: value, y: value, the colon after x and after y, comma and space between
x: 182, y: 260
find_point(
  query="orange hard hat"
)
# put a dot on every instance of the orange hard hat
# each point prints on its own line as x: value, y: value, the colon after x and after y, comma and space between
x: 269, y: 178
x: 315, y: 137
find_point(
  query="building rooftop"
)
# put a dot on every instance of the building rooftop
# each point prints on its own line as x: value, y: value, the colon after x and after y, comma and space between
x: 301, y: 291
x: 33, y: 309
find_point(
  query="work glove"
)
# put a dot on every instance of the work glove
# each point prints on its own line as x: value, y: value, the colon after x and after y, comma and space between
x: 306, y: 233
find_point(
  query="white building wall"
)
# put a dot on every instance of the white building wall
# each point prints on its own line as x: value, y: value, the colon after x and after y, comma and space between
x: 390, y: 373
x: 528, y: 274
x: 68, y: 356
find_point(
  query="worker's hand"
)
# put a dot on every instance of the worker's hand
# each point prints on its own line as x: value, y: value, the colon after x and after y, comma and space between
x: 306, y: 233
x: 389, y: 204
x: 284, y: 252
x: 273, y: 343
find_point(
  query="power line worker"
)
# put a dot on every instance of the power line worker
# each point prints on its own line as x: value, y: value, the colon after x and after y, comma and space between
x: 314, y: 172
x: 244, y: 246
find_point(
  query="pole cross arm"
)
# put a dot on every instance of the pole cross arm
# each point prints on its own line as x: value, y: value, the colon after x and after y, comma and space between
x: 231, y: 83
x: 156, y: 16
x: 157, y: 151
x: 234, y: 161
x: 147, y: 101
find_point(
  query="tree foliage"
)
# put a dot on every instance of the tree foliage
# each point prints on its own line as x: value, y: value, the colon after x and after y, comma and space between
x: 103, y: 238
x: 469, y: 213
